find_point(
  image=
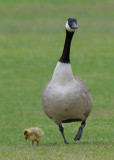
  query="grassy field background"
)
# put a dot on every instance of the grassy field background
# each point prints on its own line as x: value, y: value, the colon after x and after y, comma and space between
x: 31, y: 41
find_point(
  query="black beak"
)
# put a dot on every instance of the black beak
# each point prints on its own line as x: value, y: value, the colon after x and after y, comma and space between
x: 74, y: 25
x: 26, y: 138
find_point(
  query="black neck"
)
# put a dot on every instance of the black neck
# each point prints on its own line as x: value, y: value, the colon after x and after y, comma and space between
x: 65, y: 58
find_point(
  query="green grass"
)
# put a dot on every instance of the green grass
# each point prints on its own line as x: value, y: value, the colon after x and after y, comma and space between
x: 31, y: 42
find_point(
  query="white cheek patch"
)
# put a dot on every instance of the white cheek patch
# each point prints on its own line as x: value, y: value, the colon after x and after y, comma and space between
x: 68, y: 27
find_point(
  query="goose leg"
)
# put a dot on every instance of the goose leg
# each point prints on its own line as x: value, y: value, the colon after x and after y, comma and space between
x: 80, y: 131
x: 62, y: 132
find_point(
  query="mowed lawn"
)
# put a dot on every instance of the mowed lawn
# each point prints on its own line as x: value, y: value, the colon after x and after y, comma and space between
x: 31, y: 42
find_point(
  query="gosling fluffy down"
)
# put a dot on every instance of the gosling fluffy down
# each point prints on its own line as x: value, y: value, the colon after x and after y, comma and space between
x: 33, y: 134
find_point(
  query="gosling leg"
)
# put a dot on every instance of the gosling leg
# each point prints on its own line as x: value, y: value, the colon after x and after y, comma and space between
x: 33, y: 143
x: 37, y: 143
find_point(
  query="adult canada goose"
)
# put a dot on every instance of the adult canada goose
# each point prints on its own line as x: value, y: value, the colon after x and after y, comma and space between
x: 66, y: 98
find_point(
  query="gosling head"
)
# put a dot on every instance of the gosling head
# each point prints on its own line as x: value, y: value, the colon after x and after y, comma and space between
x: 71, y: 25
x: 27, y: 133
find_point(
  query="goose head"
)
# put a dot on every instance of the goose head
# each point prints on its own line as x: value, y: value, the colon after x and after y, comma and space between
x: 71, y: 25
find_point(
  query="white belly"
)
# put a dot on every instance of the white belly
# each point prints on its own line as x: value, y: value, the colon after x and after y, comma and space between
x: 66, y: 102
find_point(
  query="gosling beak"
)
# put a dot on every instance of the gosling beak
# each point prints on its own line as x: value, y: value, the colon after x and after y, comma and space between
x: 26, y: 138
